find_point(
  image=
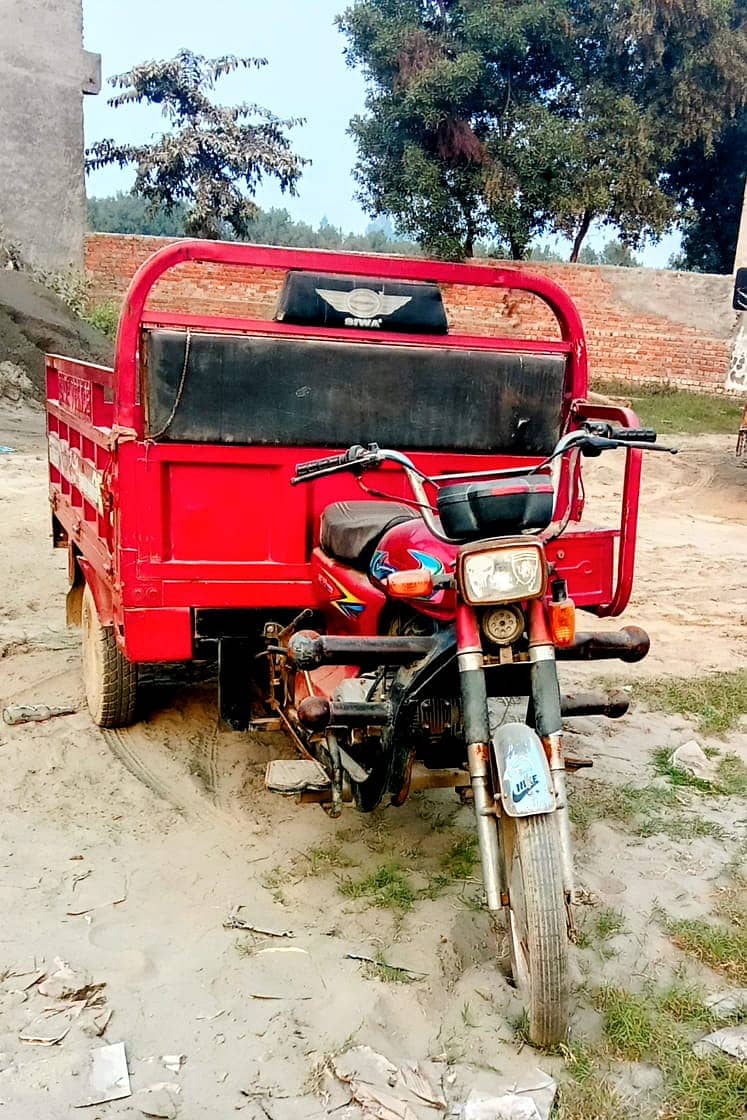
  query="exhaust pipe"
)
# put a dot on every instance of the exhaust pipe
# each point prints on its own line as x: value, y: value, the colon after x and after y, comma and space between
x: 629, y: 644
x: 316, y: 713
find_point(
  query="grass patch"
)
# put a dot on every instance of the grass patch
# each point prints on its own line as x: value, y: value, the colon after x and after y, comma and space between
x: 520, y: 1027
x: 656, y: 809
x: 438, y: 816
x: 665, y: 768
x: 634, y: 806
x: 721, y: 948
x: 608, y: 923
x: 629, y: 1023
x: 387, y: 973
x: 623, y: 804
x: 325, y: 860
x: 669, y: 409
x: 678, y: 826
x: 387, y: 887
x: 705, y: 1089
x: 579, y: 1061
x: 730, y: 781
x: 603, y: 925
x: 659, y: 1027
x: 732, y: 776
x: 591, y: 1100
x: 457, y: 864
x: 460, y: 860
x: 717, y: 701
x: 274, y: 881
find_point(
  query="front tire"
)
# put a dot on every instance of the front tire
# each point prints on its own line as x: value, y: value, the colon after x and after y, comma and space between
x: 110, y: 679
x: 536, y: 924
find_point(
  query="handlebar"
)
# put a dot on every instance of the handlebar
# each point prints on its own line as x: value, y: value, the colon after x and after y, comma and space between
x: 355, y: 458
x: 622, y: 435
x: 592, y: 439
x: 316, y: 465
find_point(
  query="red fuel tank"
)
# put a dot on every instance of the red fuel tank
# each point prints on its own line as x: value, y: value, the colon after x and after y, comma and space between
x: 411, y: 545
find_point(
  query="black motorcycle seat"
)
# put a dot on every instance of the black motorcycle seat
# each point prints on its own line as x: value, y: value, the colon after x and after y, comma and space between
x: 350, y: 531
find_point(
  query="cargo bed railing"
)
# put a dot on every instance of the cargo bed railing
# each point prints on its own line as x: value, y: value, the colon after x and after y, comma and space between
x: 572, y: 340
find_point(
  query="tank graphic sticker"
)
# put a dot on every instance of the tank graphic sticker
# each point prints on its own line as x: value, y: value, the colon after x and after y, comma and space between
x: 348, y: 603
x: 381, y: 567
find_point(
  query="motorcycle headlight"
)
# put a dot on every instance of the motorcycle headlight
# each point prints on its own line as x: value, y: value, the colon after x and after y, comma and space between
x: 503, y: 572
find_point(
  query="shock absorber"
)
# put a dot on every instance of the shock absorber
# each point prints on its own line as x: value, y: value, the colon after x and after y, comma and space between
x: 548, y: 722
x: 477, y: 735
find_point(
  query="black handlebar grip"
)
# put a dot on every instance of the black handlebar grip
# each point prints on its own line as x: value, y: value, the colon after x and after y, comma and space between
x: 635, y: 435
x: 321, y: 464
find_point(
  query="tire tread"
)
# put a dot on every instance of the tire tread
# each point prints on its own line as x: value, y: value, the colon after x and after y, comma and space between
x: 547, y: 930
x: 116, y: 690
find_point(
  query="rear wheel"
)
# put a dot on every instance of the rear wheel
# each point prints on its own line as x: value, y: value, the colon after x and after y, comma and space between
x: 110, y: 679
x: 536, y: 924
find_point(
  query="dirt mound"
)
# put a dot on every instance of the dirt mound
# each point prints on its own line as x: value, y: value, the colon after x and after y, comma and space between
x: 35, y: 322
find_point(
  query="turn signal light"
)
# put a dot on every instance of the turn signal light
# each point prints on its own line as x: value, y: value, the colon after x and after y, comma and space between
x: 415, y: 583
x: 563, y: 622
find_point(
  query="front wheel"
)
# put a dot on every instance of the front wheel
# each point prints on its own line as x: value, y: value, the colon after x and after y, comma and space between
x: 110, y: 679
x: 536, y: 923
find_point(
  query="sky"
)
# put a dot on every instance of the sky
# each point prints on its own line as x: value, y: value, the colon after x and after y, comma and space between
x: 306, y: 76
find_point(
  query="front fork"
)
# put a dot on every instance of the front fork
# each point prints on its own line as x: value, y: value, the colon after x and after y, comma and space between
x: 477, y: 734
x: 545, y: 703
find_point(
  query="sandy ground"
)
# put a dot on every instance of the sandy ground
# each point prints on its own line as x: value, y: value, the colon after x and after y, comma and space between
x: 172, y: 819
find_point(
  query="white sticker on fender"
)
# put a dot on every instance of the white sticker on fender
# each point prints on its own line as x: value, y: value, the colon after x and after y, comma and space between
x: 523, y: 772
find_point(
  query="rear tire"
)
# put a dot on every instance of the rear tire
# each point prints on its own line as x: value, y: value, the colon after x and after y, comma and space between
x: 537, y: 926
x: 110, y: 679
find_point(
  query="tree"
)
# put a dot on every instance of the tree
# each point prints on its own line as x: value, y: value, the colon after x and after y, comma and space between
x: 127, y: 213
x: 213, y: 157
x: 711, y: 189
x: 501, y: 119
x: 619, y: 254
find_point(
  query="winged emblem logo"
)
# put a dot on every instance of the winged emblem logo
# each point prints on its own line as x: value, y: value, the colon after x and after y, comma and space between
x: 525, y: 568
x: 362, y: 306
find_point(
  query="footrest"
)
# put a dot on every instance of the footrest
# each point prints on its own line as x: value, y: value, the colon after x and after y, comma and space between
x: 573, y: 762
x: 294, y: 775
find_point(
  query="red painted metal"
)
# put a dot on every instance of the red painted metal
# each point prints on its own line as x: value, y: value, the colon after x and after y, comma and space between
x: 467, y: 629
x: 169, y: 528
x: 626, y: 418
x: 267, y: 328
x: 539, y: 624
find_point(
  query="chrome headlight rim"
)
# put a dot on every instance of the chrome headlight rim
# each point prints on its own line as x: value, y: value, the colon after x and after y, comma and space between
x: 502, y: 545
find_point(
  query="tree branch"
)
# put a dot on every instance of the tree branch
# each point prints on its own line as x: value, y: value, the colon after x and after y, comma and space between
x: 581, y: 233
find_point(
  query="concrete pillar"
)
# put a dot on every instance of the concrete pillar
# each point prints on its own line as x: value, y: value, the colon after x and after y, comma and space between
x: 736, y: 378
x: 44, y: 73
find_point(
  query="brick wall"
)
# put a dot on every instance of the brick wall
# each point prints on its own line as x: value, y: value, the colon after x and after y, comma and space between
x: 642, y: 325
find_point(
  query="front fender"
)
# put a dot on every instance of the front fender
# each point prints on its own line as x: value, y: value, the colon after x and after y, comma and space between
x: 523, y: 771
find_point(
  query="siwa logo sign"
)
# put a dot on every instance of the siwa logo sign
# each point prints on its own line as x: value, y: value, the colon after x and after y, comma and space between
x: 363, y: 307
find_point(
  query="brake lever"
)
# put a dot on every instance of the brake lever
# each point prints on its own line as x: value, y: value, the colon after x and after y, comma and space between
x: 595, y: 445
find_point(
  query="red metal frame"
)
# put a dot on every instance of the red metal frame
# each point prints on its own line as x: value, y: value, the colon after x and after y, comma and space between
x: 239, y: 255
x: 173, y: 527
